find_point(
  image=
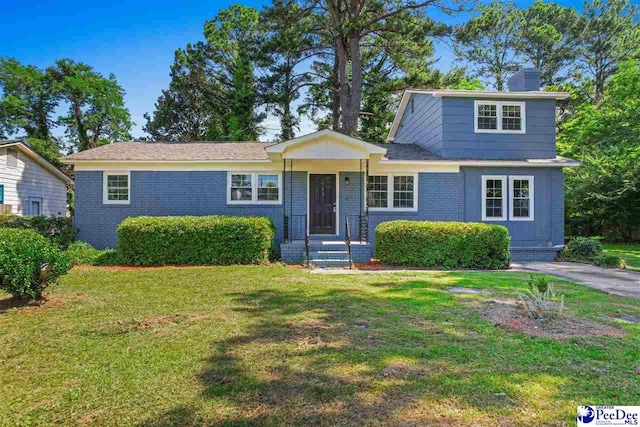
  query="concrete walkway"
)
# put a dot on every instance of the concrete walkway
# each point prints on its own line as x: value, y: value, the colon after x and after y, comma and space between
x: 611, y: 280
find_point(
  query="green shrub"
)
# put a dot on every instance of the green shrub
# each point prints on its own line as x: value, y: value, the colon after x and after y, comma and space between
x: 29, y: 263
x: 590, y: 250
x: 608, y: 261
x: 442, y: 244
x: 195, y: 240
x: 60, y: 231
x: 81, y: 253
x: 584, y: 247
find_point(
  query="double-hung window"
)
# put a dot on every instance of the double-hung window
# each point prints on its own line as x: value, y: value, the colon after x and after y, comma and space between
x: 499, y: 117
x: 521, y: 202
x: 251, y: 187
x: 116, y: 188
x: 392, y: 192
x: 494, y: 198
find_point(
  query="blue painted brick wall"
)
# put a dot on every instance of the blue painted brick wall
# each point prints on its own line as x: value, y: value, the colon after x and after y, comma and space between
x: 440, y: 198
x: 158, y: 194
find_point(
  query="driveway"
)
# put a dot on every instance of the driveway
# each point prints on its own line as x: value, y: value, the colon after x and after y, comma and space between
x: 611, y: 280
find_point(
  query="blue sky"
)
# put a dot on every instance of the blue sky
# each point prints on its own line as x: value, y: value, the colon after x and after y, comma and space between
x: 133, y: 39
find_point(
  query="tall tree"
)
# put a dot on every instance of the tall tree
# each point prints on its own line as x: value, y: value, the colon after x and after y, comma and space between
x: 349, y: 24
x: 608, y: 33
x: 28, y: 100
x: 603, y: 194
x: 97, y: 114
x: 234, y: 39
x: 287, y: 47
x: 489, y: 43
x: 546, y: 39
x: 189, y: 109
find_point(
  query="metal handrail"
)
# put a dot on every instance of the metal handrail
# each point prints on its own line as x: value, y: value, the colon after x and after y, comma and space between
x: 362, y: 224
x: 347, y: 239
x: 307, y: 243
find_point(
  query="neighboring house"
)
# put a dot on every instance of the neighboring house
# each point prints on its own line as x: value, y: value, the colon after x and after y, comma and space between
x: 29, y: 184
x: 454, y: 156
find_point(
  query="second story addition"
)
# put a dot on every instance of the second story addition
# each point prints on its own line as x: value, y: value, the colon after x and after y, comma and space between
x: 515, y: 125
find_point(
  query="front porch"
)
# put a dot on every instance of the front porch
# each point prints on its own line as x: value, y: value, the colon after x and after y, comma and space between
x: 324, y: 207
x: 325, y: 217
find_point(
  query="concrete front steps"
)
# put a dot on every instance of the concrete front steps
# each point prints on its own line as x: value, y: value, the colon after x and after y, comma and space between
x: 326, y: 254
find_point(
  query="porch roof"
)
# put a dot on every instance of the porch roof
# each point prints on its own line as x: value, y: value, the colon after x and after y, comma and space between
x: 325, y: 145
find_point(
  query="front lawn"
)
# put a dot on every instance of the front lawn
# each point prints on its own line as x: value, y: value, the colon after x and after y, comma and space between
x: 630, y: 252
x: 276, y: 345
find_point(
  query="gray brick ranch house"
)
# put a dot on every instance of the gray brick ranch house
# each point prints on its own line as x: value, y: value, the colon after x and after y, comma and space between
x: 452, y: 156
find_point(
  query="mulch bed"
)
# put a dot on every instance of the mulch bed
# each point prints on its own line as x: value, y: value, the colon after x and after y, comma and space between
x: 512, y: 317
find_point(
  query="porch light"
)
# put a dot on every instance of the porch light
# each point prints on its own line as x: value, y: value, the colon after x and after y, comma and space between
x: 346, y: 180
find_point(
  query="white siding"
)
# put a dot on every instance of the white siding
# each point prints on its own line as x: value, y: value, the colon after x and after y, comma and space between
x: 30, y: 179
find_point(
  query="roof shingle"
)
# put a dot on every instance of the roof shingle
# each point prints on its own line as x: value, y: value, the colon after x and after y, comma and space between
x: 175, y: 151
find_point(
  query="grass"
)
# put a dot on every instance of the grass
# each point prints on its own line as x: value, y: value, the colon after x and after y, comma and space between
x: 630, y: 252
x: 279, y: 346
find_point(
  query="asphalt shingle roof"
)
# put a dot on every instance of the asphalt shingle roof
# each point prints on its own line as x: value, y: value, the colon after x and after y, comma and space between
x: 407, y: 152
x: 175, y: 151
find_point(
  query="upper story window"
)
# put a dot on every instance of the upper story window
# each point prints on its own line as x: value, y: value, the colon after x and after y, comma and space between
x: 116, y: 188
x: 499, y: 117
x: 248, y: 188
x: 392, y: 192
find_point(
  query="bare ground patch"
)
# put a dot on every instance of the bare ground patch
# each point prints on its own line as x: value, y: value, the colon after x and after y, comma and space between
x: 513, y: 318
x: 156, y: 323
x: 26, y: 305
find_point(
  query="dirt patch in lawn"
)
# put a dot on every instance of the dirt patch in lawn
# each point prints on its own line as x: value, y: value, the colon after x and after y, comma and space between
x: 156, y: 323
x: 513, y: 318
x: 26, y: 305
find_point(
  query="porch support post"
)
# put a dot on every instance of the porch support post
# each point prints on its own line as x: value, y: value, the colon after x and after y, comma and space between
x: 285, y: 224
x: 291, y: 191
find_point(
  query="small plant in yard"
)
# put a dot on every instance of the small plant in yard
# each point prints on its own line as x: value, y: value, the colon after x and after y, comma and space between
x: 540, y: 299
x: 29, y: 263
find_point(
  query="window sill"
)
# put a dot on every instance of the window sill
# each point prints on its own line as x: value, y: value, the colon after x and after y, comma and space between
x: 500, y: 131
x: 527, y: 219
x: 114, y: 203
x: 252, y: 203
x: 393, y: 209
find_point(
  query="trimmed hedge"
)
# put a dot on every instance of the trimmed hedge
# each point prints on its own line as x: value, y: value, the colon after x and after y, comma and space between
x: 442, y: 244
x: 195, y: 240
x: 29, y: 263
x: 59, y: 231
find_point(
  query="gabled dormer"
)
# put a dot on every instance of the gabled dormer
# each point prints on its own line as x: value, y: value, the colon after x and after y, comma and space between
x: 458, y: 124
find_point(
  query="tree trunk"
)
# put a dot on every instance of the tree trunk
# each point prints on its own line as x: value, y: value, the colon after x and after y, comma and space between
x: 335, y: 96
x: 343, y: 82
x: 354, y: 97
x: 82, y: 131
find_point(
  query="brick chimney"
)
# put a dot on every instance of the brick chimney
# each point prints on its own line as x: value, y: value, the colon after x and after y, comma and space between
x: 525, y: 80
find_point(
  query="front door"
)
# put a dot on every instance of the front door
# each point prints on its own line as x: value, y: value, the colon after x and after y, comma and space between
x: 322, y: 204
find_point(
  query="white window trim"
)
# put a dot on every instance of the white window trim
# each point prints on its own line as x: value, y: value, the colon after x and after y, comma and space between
x: 390, y: 193
x: 502, y: 178
x: 499, y: 105
x: 105, y: 192
x: 254, y: 189
x: 531, y: 198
